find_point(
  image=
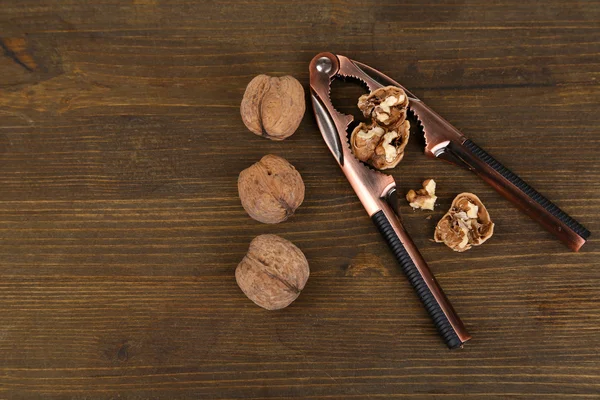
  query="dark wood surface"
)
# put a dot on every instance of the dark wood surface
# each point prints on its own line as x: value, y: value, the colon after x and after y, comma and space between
x: 120, y: 224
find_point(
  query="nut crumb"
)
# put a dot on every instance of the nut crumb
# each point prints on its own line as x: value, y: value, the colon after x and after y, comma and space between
x: 465, y: 225
x: 423, y: 198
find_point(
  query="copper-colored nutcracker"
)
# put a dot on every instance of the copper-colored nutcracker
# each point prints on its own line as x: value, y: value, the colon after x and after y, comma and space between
x: 377, y: 191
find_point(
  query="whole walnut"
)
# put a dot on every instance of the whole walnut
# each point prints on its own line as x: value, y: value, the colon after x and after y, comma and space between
x: 273, y: 107
x: 273, y: 272
x: 271, y: 190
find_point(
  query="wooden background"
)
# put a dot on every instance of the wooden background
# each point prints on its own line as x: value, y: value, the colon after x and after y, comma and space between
x: 120, y: 224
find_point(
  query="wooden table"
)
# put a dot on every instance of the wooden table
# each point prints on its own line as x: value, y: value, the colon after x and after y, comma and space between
x: 121, y: 227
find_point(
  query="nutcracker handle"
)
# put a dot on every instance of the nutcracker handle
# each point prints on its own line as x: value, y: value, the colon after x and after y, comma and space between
x: 445, y: 319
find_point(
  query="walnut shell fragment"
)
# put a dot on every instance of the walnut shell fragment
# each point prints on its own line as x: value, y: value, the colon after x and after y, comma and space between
x: 466, y: 224
x: 423, y: 198
x: 386, y: 106
x: 271, y: 190
x: 380, y: 146
x: 273, y: 272
x: 273, y: 107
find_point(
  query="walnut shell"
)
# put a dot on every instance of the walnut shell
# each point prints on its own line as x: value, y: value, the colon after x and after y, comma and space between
x: 271, y: 190
x: 465, y: 225
x: 382, y: 147
x: 273, y: 272
x: 386, y: 106
x: 364, y: 139
x: 273, y: 107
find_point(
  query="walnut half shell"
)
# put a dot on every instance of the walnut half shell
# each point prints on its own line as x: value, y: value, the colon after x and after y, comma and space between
x: 386, y: 106
x: 465, y: 225
x: 380, y: 146
x: 364, y: 140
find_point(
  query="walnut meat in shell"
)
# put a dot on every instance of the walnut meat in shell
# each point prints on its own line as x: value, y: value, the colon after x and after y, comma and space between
x: 273, y: 107
x: 386, y: 106
x: 364, y: 139
x: 423, y: 198
x: 380, y: 146
x: 465, y: 225
x: 390, y: 150
x: 271, y: 190
x: 273, y: 272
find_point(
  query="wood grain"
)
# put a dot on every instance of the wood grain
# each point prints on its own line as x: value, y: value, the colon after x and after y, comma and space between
x: 120, y: 226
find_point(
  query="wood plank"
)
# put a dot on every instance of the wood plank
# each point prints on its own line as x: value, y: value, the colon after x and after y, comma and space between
x: 120, y: 225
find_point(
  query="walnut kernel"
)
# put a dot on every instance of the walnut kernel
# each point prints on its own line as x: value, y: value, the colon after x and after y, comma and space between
x: 466, y: 224
x: 390, y: 150
x: 423, y: 198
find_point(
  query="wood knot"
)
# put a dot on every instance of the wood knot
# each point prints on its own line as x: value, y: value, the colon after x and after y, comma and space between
x: 123, y: 352
x: 16, y: 49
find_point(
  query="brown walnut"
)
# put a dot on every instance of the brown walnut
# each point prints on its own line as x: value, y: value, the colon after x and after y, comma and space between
x: 271, y: 190
x: 386, y: 106
x: 273, y: 272
x: 466, y: 224
x: 423, y: 198
x: 380, y: 146
x: 273, y: 107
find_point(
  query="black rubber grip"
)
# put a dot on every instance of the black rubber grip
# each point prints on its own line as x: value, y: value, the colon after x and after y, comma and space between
x: 416, y: 280
x: 528, y: 190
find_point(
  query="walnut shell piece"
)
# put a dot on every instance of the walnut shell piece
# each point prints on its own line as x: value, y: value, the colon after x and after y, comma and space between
x: 386, y: 105
x: 423, y: 198
x: 465, y: 225
x: 273, y: 106
x: 273, y: 272
x: 271, y: 190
